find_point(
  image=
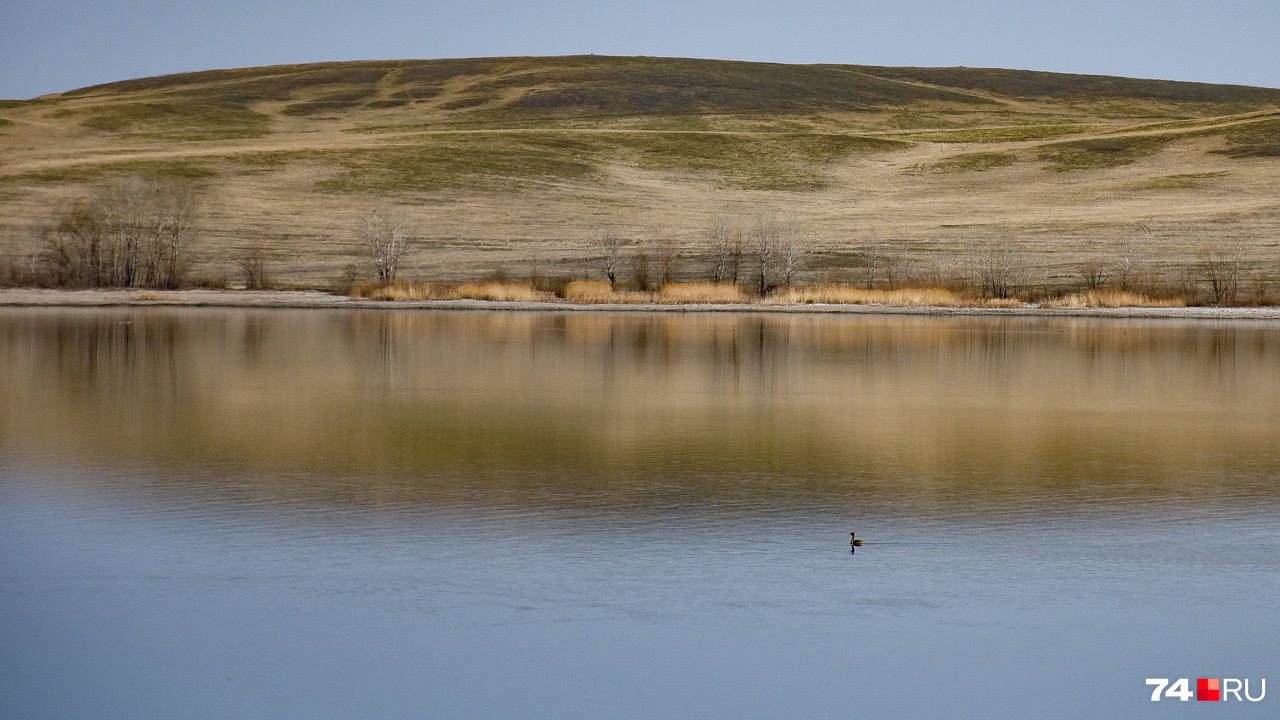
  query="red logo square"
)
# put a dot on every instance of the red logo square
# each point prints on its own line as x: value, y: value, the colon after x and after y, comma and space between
x: 1207, y: 689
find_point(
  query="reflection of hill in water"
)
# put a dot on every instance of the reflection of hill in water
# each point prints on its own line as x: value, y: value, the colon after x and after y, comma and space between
x: 654, y: 413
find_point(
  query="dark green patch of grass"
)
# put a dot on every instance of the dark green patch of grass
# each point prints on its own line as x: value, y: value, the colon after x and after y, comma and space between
x: 642, y: 86
x: 1186, y: 181
x: 4, y: 122
x: 1252, y: 140
x: 176, y: 169
x: 975, y: 162
x: 10, y: 104
x: 754, y: 161
x: 1102, y: 153
x: 463, y: 103
x: 1171, y: 125
x: 1025, y: 83
x: 479, y: 161
x: 177, y: 120
x: 1002, y: 134
x: 503, y: 160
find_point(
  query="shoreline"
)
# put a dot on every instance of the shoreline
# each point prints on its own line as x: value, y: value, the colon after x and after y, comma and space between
x: 316, y: 299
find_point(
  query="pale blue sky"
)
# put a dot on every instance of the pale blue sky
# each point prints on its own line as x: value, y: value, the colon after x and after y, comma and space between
x: 55, y: 45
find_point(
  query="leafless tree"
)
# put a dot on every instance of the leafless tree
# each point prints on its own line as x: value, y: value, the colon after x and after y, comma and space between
x: 871, y: 256
x: 668, y: 259
x: 640, y: 270
x: 389, y: 238
x: 1220, y: 266
x: 720, y: 235
x: 132, y: 233
x: 609, y: 245
x: 253, y: 265
x: 1127, y: 264
x: 1000, y: 269
x: 1094, y: 273
x: 727, y: 248
x: 535, y: 269
x: 765, y: 234
x: 793, y: 251
x: 894, y: 262
x: 882, y: 260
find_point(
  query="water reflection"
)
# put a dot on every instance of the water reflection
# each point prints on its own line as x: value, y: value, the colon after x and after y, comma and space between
x: 642, y: 414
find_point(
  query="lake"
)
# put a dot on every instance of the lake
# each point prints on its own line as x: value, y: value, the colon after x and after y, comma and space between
x: 334, y: 513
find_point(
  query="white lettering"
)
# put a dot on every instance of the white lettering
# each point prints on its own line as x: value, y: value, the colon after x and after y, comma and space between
x: 1159, y: 683
x: 1260, y: 695
x: 1182, y: 690
x: 1226, y: 688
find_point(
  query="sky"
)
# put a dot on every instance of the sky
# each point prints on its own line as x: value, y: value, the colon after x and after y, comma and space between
x: 49, y: 46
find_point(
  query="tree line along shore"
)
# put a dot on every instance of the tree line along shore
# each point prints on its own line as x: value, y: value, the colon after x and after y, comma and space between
x: 139, y: 233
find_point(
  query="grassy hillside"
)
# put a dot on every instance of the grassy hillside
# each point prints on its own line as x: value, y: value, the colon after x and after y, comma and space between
x: 508, y: 162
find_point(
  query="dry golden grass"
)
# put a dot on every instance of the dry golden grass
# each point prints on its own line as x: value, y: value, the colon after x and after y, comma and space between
x: 701, y: 293
x: 598, y: 291
x: 844, y: 295
x: 494, y: 291
x: 502, y: 292
x: 907, y: 297
x: 1111, y: 299
x: 397, y: 291
x: 594, y: 292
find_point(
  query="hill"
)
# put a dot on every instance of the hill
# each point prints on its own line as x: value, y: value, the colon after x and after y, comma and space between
x: 509, y: 162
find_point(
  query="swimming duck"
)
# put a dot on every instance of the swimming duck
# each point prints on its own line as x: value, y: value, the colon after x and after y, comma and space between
x: 853, y: 540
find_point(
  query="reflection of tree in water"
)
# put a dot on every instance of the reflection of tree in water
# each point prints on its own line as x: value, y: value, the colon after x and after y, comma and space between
x: 899, y: 409
x: 126, y: 359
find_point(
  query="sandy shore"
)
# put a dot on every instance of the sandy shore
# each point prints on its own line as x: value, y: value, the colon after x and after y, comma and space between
x: 30, y: 297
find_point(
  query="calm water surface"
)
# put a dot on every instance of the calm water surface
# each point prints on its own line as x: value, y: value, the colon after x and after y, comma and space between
x: 238, y: 513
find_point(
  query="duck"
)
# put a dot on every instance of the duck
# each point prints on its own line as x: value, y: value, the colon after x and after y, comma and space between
x: 854, y: 541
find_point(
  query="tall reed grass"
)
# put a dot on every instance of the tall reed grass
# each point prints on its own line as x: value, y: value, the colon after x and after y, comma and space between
x: 1112, y: 299
x: 594, y: 292
x: 708, y: 293
x: 598, y: 292
x: 907, y: 297
x: 493, y: 291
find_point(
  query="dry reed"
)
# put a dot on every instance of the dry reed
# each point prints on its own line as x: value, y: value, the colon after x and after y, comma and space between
x: 701, y: 293
x: 502, y: 292
x: 494, y: 291
x: 598, y: 291
x: 401, y: 291
x: 844, y: 295
x: 1111, y: 299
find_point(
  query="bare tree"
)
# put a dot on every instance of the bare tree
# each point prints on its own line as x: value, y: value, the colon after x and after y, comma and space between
x: 1127, y: 264
x: 1129, y: 261
x: 132, y: 233
x: 1094, y: 273
x: 389, y: 238
x: 1221, y: 268
x: 535, y: 269
x: 792, y: 252
x: 640, y: 270
x: 764, y: 247
x: 668, y: 258
x: 727, y: 246
x: 609, y: 244
x: 720, y: 235
x: 871, y: 256
x: 1000, y: 269
x: 894, y: 261
x: 253, y: 265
